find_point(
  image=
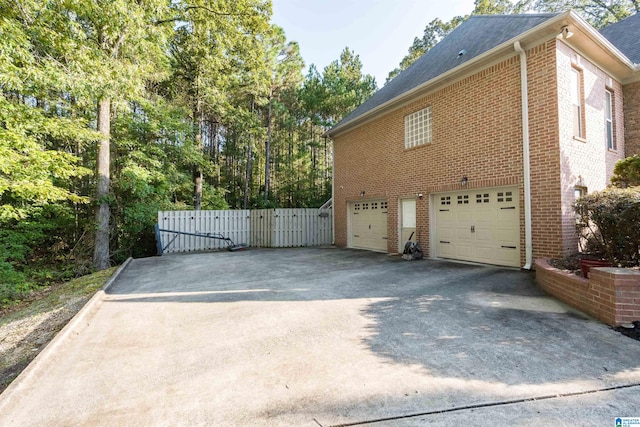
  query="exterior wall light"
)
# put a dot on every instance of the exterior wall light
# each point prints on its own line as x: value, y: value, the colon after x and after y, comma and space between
x: 464, y: 181
x: 564, y: 33
x: 362, y: 193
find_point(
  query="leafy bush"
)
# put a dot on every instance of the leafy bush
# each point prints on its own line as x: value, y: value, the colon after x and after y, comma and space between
x: 13, y: 285
x: 213, y: 198
x: 610, y: 221
x: 626, y: 173
x: 29, y: 247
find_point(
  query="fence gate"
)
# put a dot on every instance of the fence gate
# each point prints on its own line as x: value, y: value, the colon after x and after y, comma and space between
x: 266, y: 228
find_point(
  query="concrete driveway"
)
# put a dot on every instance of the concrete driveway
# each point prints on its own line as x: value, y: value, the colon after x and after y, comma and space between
x: 326, y: 337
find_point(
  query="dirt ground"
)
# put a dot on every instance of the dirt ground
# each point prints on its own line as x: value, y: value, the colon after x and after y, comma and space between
x: 27, y: 328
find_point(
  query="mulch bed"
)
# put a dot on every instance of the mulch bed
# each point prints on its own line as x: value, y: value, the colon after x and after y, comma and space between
x: 630, y: 332
x: 570, y: 264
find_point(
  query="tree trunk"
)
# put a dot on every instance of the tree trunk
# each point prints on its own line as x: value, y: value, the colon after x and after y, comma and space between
x: 101, y: 249
x: 266, y: 156
x: 247, y: 176
x: 197, y: 203
x: 197, y: 175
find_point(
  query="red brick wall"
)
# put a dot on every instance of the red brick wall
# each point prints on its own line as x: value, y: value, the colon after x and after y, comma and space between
x: 611, y: 295
x: 632, y: 118
x: 476, y: 132
x: 544, y: 151
x: 585, y: 162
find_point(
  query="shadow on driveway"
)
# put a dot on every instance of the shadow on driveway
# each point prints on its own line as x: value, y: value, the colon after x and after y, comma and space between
x: 328, y: 336
x: 455, y: 320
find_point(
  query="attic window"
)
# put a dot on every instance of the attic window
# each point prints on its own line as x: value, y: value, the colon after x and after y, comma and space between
x: 417, y: 128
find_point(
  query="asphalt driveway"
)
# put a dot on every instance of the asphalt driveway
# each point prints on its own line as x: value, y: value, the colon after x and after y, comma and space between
x: 326, y: 337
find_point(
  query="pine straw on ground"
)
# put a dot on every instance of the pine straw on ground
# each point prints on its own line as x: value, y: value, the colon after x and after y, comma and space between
x: 26, y: 328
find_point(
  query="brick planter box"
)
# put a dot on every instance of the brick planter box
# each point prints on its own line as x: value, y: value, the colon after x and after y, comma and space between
x: 611, y: 295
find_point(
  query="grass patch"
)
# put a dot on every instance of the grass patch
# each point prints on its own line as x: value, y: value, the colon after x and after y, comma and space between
x: 27, y: 327
x: 55, y: 296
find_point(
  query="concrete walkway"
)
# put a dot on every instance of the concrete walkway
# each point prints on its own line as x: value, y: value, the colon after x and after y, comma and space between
x: 312, y: 337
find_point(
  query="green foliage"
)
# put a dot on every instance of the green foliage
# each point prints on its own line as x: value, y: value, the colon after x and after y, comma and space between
x: 213, y: 198
x: 27, y: 245
x: 198, y: 89
x: 345, y: 87
x: 31, y: 174
x: 609, y: 220
x: 626, y: 172
x: 597, y: 13
x: 195, y: 88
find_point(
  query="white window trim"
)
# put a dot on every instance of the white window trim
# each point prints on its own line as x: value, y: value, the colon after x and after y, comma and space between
x: 577, y: 99
x: 418, y: 128
x: 608, y: 120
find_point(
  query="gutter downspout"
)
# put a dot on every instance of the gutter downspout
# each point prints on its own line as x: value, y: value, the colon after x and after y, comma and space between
x: 524, y: 87
x: 333, y: 192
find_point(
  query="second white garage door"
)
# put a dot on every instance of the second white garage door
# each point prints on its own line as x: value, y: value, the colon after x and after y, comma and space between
x: 479, y: 225
x: 368, y: 225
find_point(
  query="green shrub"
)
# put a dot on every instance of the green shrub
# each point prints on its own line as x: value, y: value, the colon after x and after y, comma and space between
x: 610, y: 221
x: 13, y: 285
x: 626, y: 172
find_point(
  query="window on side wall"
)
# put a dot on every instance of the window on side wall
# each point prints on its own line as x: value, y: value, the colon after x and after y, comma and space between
x: 417, y: 128
x: 577, y: 103
x: 578, y: 192
x: 608, y: 120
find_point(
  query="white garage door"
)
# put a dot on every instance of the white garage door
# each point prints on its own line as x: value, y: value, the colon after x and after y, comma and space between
x: 368, y: 225
x: 479, y: 225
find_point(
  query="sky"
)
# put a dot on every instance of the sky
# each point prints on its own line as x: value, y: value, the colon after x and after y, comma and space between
x: 379, y: 31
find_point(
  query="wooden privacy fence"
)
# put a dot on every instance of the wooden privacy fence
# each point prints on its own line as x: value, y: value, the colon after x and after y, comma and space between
x: 266, y: 228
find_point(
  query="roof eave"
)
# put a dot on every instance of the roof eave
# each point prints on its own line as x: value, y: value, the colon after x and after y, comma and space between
x: 626, y: 71
x: 535, y: 33
x: 595, y: 46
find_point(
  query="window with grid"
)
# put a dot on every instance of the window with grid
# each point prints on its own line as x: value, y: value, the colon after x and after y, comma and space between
x: 577, y: 101
x: 608, y: 119
x: 417, y: 128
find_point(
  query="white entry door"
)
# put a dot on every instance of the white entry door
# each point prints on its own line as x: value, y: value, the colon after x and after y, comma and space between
x: 407, y: 222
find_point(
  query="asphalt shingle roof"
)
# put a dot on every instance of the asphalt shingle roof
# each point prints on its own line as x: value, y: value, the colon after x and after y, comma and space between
x: 477, y: 35
x: 625, y: 35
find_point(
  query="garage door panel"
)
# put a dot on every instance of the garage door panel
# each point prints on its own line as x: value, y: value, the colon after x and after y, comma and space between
x: 508, y: 256
x: 448, y: 234
x: 462, y: 234
x: 368, y: 227
x: 446, y: 249
x: 464, y: 215
x: 484, y: 235
x: 464, y: 250
x: 480, y: 225
x: 484, y: 216
x: 505, y: 236
x: 507, y: 216
x: 484, y: 254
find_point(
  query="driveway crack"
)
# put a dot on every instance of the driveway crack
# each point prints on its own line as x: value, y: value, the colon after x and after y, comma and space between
x: 488, y: 405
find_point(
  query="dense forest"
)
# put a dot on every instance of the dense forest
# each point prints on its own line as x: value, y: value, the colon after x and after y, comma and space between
x: 113, y: 110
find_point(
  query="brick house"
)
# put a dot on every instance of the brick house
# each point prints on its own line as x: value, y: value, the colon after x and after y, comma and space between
x: 482, y: 145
